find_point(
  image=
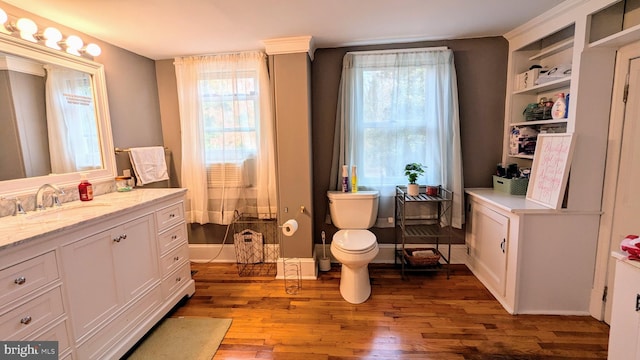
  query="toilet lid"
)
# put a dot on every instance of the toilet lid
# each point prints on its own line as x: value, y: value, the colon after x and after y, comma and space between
x: 355, y: 240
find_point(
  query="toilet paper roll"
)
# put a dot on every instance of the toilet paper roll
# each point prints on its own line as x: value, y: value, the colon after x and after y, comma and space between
x: 290, y: 227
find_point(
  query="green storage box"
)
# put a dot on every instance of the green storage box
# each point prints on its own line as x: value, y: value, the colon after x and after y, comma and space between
x: 515, y: 186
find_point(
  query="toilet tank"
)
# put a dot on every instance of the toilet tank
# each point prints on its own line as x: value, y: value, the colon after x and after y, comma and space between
x: 351, y: 210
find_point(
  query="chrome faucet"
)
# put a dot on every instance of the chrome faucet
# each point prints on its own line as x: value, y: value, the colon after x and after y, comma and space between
x: 55, y: 199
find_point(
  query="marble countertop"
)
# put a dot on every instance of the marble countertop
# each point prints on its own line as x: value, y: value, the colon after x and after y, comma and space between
x: 18, y: 229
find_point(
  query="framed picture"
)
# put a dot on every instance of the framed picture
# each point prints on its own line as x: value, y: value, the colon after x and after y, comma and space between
x: 550, y: 169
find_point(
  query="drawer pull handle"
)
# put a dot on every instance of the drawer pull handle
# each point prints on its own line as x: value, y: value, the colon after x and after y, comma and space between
x: 637, y: 302
x: 176, y: 258
x: 120, y: 238
x: 21, y: 280
x: 25, y: 320
x: 173, y: 237
x: 172, y: 215
x: 502, y: 245
x: 178, y: 279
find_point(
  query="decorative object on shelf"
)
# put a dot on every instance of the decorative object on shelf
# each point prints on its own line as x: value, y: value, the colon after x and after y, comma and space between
x: 412, y: 171
x: 555, y: 73
x: 432, y: 190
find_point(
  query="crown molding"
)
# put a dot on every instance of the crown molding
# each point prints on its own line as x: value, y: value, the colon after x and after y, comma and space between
x: 290, y: 45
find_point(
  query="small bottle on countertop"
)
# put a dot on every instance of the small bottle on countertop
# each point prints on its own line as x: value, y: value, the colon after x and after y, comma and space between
x: 85, y: 188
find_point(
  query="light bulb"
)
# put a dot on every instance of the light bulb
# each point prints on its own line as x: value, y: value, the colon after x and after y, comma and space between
x: 3, y: 20
x: 93, y: 49
x: 73, y: 44
x: 52, y: 36
x: 27, y: 29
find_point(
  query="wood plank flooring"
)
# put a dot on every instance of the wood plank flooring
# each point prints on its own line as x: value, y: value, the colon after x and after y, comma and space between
x: 424, y: 317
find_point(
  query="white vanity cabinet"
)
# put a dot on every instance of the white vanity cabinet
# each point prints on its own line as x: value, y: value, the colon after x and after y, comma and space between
x: 98, y: 281
x: 624, y: 336
x: 533, y: 259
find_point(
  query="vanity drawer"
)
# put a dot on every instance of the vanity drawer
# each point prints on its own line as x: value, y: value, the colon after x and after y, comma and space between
x: 174, y: 259
x: 31, y: 316
x: 169, y: 216
x: 176, y: 280
x: 172, y: 237
x: 22, y: 278
x: 57, y: 333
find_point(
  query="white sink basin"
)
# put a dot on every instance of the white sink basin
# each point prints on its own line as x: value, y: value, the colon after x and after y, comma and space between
x: 65, y: 211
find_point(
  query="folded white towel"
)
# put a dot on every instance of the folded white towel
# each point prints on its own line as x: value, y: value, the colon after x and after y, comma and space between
x: 149, y: 164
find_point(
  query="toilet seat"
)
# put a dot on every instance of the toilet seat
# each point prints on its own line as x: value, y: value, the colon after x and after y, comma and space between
x: 355, y: 241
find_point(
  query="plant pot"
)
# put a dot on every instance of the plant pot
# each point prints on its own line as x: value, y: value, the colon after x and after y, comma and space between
x: 413, y: 189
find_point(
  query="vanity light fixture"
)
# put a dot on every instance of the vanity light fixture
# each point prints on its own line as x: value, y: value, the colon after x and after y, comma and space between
x: 73, y: 44
x: 92, y: 49
x: 27, y: 29
x: 52, y: 37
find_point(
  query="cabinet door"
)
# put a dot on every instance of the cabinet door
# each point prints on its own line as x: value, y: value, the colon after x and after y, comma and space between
x: 89, y: 277
x: 488, y: 246
x: 135, y: 257
x: 625, y: 318
x: 104, y: 271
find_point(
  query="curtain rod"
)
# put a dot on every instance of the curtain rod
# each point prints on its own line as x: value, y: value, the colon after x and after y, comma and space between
x: 404, y: 50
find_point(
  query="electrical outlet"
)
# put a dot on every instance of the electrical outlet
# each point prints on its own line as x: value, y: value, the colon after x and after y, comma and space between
x: 126, y: 172
x: 390, y: 220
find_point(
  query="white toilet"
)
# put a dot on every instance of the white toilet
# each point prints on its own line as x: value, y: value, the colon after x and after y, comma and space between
x: 353, y: 245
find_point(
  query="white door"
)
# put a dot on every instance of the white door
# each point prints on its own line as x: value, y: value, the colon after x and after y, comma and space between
x: 621, y: 204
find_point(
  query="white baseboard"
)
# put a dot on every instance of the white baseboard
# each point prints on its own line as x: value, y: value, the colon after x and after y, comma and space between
x: 386, y: 254
x: 204, y: 253
x: 218, y: 253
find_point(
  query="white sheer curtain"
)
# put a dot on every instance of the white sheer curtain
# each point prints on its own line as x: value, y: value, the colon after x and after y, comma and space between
x: 394, y: 108
x: 71, y: 121
x: 228, y: 159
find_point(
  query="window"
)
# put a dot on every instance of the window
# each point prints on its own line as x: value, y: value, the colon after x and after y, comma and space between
x: 230, y: 106
x: 228, y: 154
x: 393, y: 125
x: 398, y: 107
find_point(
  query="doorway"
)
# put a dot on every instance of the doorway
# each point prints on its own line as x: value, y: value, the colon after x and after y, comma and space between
x: 621, y: 197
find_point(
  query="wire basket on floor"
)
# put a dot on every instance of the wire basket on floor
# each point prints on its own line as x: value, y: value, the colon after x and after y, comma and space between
x: 422, y: 256
x: 256, y: 246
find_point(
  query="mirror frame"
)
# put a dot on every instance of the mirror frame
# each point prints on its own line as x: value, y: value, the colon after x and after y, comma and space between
x: 19, y: 47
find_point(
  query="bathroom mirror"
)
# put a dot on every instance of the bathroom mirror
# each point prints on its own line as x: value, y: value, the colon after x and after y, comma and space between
x: 54, y: 117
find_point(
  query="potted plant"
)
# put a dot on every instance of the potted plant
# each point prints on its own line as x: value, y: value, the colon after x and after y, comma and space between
x: 412, y: 171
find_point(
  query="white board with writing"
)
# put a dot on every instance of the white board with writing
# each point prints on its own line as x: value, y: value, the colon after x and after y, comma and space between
x: 550, y: 169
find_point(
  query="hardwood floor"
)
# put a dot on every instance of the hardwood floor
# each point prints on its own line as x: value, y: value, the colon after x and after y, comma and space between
x: 424, y: 317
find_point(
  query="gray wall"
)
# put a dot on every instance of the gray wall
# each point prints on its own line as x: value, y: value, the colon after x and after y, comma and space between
x: 481, y: 66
